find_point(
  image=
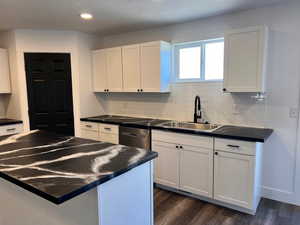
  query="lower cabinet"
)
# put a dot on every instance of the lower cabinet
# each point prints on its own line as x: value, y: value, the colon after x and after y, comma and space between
x: 196, y: 170
x: 233, y: 179
x: 100, y: 132
x: 228, y: 172
x: 11, y: 129
x: 166, y: 173
x: 183, y: 166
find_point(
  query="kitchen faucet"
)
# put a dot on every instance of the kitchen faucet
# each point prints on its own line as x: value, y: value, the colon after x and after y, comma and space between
x: 197, y: 111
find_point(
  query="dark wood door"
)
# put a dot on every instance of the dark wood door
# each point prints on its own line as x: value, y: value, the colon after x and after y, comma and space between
x: 49, y: 87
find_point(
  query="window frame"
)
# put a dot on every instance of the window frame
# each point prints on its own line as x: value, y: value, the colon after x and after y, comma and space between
x: 176, y: 49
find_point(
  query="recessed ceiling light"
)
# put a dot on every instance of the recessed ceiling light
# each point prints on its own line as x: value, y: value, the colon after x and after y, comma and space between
x: 86, y: 16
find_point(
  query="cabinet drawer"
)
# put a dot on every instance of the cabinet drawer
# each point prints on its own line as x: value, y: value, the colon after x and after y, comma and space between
x: 90, y: 126
x: 235, y: 146
x: 109, y: 129
x: 111, y: 138
x: 11, y: 129
x: 182, y: 139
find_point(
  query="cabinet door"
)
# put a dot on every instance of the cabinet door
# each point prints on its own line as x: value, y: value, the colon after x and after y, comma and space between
x: 166, y: 168
x: 4, y: 72
x: 150, y: 67
x: 114, y: 69
x: 196, y: 170
x: 245, y: 56
x: 131, y: 68
x: 234, y: 178
x: 99, y: 71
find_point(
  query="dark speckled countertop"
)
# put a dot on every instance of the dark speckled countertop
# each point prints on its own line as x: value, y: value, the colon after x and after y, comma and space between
x: 58, y: 167
x: 5, y: 121
x: 227, y: 131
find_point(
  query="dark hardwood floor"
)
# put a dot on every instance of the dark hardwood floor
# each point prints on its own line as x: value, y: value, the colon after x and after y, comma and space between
x: 175, y: 209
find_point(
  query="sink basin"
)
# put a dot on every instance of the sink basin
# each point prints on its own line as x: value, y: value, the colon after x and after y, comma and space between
x: 191, y: 126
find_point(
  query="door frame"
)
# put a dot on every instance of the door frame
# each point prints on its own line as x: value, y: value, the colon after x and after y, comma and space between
x: 29, y: 80
x: 75, y: 85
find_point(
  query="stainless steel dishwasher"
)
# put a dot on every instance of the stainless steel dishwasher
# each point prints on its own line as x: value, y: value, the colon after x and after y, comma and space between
x: 135, y: 137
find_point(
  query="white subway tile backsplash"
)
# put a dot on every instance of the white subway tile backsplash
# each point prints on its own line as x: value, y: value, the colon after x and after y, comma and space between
x: 218, y: 107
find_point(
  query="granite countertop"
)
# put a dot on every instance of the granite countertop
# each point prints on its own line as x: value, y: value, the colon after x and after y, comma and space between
x: 58, y: 167
x: 138, y: 122
x: 227, y: 131
x: 5, y: 121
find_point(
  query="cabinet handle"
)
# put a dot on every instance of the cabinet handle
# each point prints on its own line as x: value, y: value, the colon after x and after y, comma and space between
x: 11, y: 129
x: 224, y: 89
x: 107, y: 128
x: 233, y: 146
x: 181, y: 147
x: 88, y: 126
x: 141, y: 90
x: 216, y: 153
x: 177, y: 146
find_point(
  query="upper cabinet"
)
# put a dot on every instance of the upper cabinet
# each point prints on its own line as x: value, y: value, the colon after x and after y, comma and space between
x: 245, y: 60
x: 133, y: 68
x: 107, y: 70
x: 4, y: 72
x: 114, y: 69
x: 155, y: 66
x: 99, y: 71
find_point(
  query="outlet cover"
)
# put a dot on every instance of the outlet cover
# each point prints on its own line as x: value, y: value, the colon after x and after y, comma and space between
x: 294, y: 112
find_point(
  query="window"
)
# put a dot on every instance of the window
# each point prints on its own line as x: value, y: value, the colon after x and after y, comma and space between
x: 199, y: 61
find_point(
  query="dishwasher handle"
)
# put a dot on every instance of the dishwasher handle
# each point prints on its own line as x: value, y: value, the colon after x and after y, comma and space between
x: 129, y: 134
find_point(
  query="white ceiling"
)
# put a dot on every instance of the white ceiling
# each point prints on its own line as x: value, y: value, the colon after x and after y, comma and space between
x: 113, y: 16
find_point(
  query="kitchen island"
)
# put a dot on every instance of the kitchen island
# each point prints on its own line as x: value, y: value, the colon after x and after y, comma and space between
x: 73, y: 181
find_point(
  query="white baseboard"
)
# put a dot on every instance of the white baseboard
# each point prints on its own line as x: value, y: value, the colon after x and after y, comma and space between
x: 279, y: 195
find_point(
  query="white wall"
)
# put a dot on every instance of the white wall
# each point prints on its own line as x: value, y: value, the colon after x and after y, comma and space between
x: 280, y: 153
x: 75, y: 43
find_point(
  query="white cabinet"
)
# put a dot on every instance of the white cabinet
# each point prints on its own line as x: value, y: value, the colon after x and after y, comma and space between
x: 196, y: 170
x: 166, y: 170
x: 107, y: 70
x: 237, y: 173
x: 184, y: 162
x: 223, y: 171
x: 109, y: 133
x: 90, y: 131
x: 99, y: 71
x: 245, y: 60
x: 11, y: 129
x: 131, y: 68
x: 4, y: 72
x: 233, y: 178
x: 155, y: 66
x: 100, y: 132
x: 114, y: 69
x: 134, y: 68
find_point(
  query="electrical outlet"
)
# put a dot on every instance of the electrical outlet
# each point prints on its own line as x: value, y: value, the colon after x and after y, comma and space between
x: 294, y: 112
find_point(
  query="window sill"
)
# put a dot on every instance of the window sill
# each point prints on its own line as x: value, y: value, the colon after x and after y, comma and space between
x: 196, y: 81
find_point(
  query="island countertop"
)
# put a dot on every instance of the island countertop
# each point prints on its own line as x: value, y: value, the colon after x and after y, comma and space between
x: 58, y: 167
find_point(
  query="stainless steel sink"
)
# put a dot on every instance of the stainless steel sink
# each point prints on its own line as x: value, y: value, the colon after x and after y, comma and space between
x: 191, y: 126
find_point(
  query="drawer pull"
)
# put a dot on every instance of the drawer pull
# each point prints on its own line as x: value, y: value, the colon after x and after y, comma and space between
x: 88, y: 126
x: 107, y: 128
x: 233, y: 146
x: 10, y: 129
